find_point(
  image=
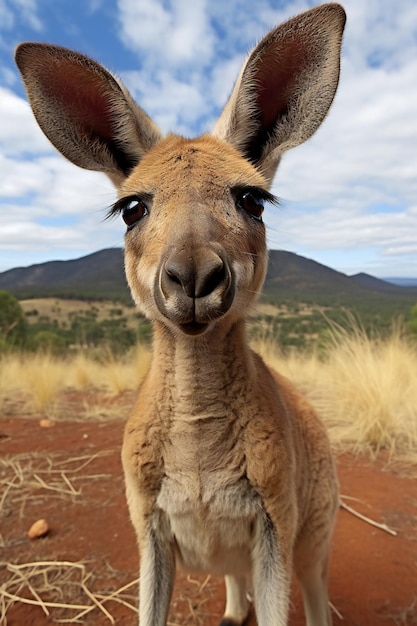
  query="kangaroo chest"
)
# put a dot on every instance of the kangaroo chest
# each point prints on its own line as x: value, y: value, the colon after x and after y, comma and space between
x: 210, y: 504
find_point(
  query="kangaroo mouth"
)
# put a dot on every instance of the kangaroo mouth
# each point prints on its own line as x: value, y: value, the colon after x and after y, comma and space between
x: 193, y: 328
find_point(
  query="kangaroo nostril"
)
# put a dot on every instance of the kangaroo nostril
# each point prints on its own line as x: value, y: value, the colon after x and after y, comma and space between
x: 210, y: 278
x: 180, y: 272
x: 173, y: 276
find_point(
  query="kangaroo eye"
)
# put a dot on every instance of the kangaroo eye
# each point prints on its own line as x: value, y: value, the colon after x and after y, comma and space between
x: 253, y: 205
x: 133, y: 209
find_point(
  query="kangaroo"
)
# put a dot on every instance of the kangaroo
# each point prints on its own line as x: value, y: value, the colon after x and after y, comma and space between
x: 228, y: 469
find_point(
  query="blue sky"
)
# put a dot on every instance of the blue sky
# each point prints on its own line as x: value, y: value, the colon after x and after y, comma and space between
x: 348, y: 196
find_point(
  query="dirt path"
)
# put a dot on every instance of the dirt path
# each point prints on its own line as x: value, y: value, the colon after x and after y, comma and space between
x: 71, y: 475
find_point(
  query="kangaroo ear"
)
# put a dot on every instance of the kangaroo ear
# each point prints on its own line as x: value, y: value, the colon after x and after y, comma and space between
x: 84, y: 111
x: 285, y: 88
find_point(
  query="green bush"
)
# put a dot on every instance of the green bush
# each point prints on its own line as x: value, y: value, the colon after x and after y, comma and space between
x: 48, y: 341
x: 13, y: 324
x: 412, y: 322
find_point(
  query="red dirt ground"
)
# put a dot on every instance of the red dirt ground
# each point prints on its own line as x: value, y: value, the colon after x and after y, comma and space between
x: 373, y: 579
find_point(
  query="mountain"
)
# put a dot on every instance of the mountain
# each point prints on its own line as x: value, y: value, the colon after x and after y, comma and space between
x: 292, y: 273
x: 296, y: 276
x: 101, y: 276
x: 96, y: 276
x: 378, y: 284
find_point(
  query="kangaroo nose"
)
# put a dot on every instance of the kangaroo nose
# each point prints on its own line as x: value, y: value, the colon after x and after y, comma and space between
x: 194, y: 286
x: 198, y: 276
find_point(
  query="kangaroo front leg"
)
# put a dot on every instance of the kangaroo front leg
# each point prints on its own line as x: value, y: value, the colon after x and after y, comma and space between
x: 314, y: 589
x: 157, y: 572
x: 237, y: 605
x: 271, y: 576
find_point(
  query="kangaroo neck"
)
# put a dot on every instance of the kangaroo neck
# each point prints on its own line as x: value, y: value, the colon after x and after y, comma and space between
x: 202, y: 376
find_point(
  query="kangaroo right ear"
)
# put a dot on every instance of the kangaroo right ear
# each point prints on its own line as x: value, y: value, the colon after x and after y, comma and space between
x: 285, y: 88
x: 84, y: 111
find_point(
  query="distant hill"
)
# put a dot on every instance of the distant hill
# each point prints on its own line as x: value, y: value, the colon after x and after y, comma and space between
x: 96, y: 276
x: 101, y: 276
x: 378, y: 284
x: 294, y: 275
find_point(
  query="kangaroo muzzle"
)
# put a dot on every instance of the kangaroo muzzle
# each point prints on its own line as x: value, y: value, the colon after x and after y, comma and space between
x: 194, y: 286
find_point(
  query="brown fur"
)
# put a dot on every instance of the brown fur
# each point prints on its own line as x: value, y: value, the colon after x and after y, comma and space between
x: 228, y: 469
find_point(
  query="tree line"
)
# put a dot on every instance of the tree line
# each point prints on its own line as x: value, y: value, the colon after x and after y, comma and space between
x: 83, y: 329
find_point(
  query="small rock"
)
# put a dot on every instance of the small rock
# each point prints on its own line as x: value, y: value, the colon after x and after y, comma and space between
x: 38, y: 529
x: 45, y: 423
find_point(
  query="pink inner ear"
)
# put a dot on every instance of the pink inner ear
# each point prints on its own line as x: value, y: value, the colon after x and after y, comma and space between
x: 83, y: 95
x: 277, y: 75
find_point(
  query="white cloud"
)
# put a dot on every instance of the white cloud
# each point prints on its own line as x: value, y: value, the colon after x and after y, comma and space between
x: 52, y: 187
x: 381, y: 33
x: 69, y: 214
x: 330, y: 228
x: 177, y: 32
x: 19, y: 132
x: 7, y: 76
x: 222, y: 79
x: 173, y: 102
x: 24, y: 10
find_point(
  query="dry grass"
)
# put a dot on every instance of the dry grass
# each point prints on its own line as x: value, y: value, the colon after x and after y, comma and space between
x: 65, y: 592
x: 401, y: 617
x: 40, y: 378
x: 83, y: 372
x: 113, y: 374
x: 62, y: 590
x: 44, y: 379
x: 365, y: 390
x: 26, y: 477
x: 124, y: 373
x: 189, y: 605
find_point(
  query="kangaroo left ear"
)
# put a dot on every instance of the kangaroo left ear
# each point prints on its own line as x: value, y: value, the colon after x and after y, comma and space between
x: 84, y: 111
x: 285, y: 88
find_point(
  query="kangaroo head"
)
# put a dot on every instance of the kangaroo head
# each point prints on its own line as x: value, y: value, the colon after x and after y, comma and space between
x: 195, y: 248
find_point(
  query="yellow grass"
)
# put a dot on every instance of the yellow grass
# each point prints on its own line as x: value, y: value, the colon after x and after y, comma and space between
x: 38, y: 376
x: 365, y: 390
x: 44, y: 379
x: 83, y: 372
x: 112, y: 373
x: 41, y: 377
x: 122, y: 373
